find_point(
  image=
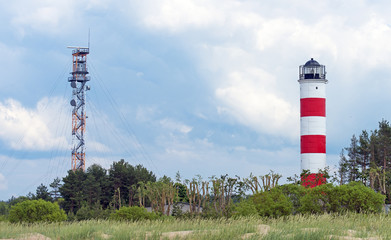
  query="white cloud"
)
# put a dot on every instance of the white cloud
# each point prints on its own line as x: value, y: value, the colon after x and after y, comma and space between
x: 177, y: 15
x: 249, y: 100
x: 249, y: 51
x: 3, y: 182
x: 33, y: 129
x: 52, y: 17
x: 145, y: 113
x: 97, y: 147
x: 194, y: 156
x: 172, y: 125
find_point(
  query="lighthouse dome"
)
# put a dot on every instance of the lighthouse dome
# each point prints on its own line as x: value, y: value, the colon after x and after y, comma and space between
x: 312, y: 63
x: 312, y: 70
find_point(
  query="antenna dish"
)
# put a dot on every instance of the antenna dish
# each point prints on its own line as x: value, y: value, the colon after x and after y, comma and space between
x: 73, y: 84
x: 73, y: 103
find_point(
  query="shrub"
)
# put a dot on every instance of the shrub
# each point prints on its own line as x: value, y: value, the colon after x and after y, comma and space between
x: 36, y: 211
x: 132, y: 214
x: 245, y: 208
x: 358, y: 198
x: 351, y: 197
x: 319, y: 199
x: 94, y: 212
x: 272, y: 203
x: 294, y: 192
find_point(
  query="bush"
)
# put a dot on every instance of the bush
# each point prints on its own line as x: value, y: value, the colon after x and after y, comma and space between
x: 94, y: 212
x: 353, y: 197
x: 245, y: 208
x: 320, y: 199
x: 356, y: 197
x: 31, y: 211
x: 132, y: 214
x: 272, y: 203
x: 294, y: 192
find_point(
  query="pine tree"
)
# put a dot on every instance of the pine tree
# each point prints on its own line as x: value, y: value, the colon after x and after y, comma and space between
x: 343, y: 168
x: 55, y: 185
x: 353, y: 171
x: 43, y: 193
x: 364, y: 151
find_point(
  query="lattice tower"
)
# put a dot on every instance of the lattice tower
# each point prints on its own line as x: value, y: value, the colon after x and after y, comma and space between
x: 78, y: 82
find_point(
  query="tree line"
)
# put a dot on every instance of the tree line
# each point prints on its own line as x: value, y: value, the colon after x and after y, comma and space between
x: 97, y: 192
x: 368, y: 160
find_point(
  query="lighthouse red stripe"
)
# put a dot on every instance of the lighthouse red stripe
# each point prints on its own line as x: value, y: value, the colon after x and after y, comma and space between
x: 313, y: 144
x: 313, y: 107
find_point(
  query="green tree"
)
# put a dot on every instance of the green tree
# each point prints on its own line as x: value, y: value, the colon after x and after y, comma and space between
x: 343, y: 168
x: 364, y: 151
x: 358, y: 198
x: 245, y: 208
x: 319, y: 199
x: 122, y: 176
x: 294, y: 192
x: 272, y: 203
x: 353, y: 166
x: 4, y: 208
x: 31, y: 211
x: 102, y: 185
x: 13, y: 200
x: 73, y: 190
x: 55, y: 185
x: 42, y: 192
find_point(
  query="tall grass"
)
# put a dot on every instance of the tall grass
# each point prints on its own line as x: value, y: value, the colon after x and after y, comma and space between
x: 326, y: 226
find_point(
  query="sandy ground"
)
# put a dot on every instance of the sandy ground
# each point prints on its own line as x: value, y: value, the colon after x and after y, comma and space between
x: 261, y: 230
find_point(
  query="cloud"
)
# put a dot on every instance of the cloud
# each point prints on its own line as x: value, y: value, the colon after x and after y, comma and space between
x: 33, y: 129
x: 3, y: 182
x: 97, y: 146
x: 52, y: 17
x: 252, y: 103
x: 172, y: 125
x: 200, y: 156
x: 248, y: 52
x: 178, y: 15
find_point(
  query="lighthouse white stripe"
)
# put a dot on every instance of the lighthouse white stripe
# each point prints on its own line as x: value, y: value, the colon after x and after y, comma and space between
x: 313, y: 161
x: 312, y: 90
x: 312, y: 126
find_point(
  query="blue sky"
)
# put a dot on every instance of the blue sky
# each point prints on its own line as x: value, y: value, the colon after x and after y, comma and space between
x: 199, y: 87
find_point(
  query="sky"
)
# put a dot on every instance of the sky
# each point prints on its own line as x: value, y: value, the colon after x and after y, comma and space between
x: 195, y: 86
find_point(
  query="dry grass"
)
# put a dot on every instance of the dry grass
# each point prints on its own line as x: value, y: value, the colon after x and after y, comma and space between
x: 349, y: 227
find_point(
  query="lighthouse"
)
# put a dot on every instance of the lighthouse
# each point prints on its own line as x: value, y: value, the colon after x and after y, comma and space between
x: 312, y: 79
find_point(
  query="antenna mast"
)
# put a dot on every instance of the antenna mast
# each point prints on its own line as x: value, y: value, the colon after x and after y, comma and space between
x: 78, y: 82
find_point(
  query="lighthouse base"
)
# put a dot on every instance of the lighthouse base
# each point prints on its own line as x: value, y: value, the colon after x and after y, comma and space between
x: 312, y: 180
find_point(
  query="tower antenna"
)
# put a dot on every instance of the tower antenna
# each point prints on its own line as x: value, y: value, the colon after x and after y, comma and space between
x: 89, y: 38
x: 78, y: 82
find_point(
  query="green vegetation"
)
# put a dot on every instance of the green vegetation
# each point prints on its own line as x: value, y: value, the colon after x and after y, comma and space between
x: 327, y: 226
x: 368, y: 160
x: 132, y: 214
x: 272, y: 203
x: 31, y: 211
x: 102, y: 204
x: 214, y: 198
x: 123, y: 192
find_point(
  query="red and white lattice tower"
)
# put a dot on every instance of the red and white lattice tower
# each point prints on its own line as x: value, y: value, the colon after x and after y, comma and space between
x: 312, y: 79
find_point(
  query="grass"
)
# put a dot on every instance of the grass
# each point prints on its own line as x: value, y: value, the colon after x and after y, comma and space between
x: 360, y: 226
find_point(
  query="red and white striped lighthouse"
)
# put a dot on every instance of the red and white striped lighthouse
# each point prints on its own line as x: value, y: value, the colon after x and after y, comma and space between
x: 312, y: 79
